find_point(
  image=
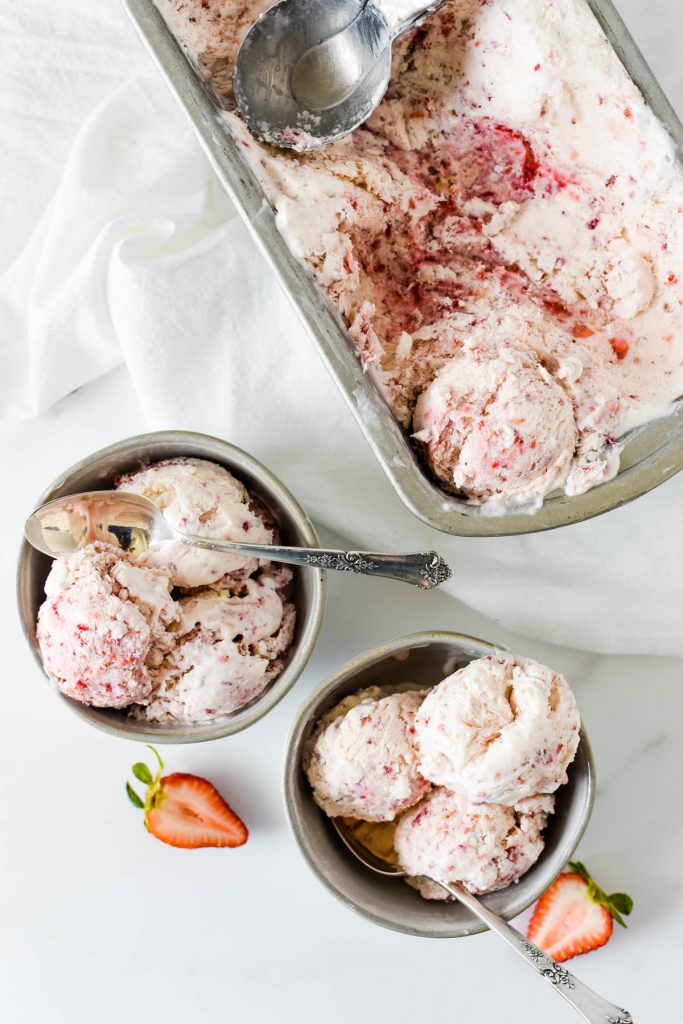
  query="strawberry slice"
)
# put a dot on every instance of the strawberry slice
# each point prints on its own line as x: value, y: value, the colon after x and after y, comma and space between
x: 185, y: 810
x: 575, y: 916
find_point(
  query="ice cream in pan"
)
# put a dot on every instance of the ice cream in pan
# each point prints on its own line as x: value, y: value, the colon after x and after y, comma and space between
x: 463, y: 775
x: 502, y: 237
x: 179, y: 635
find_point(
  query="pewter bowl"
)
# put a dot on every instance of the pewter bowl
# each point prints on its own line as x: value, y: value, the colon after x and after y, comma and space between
x: 308, y: 587
x: 422, y: 659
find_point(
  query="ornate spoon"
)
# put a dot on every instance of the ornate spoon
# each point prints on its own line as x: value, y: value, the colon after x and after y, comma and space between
x: 133, y: 523
x: 589, y: 1004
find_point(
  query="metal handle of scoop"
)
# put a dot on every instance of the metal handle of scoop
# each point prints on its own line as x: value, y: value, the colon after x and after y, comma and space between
x: 402, y: 15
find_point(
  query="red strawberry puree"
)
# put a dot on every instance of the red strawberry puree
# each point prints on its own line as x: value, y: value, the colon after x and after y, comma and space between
x: 503, y: 238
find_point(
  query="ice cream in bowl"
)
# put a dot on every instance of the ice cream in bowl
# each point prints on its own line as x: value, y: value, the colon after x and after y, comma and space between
x: 173, y: 643
x: 451, y: 758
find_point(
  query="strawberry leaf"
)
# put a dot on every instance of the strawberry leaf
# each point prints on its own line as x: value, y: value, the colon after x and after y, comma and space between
x: 142, y: 773
x: 621, y: 902
x: 580, y: 869
x: 133, y: 797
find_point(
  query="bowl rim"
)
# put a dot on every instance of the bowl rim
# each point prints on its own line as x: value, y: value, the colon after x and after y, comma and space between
x: 291, y: 766
x: 229, y: 725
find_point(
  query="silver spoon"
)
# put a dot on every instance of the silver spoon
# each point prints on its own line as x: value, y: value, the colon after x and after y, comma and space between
x: 132, y: 523
x: 589, y: 1004
x: 310, y: 71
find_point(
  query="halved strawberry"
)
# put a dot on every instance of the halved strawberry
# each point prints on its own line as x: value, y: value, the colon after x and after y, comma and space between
x: 574, y: 916
x: 185, y: 810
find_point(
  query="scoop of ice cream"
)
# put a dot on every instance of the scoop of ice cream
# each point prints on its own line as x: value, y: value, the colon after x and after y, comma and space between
x: 631, y: 286
x: 103, y: 625
x: 497, y: 426
x: 484, y: 846
x: 228, y: 647
x: 501, y: 729
x: 203, y: 498
x: 364, y: 762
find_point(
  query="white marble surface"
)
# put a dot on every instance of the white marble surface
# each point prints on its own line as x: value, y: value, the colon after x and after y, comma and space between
x: 101, y: 922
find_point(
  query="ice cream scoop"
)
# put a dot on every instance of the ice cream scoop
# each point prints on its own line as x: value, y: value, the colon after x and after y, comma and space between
x: 500, y: 729
x: 133, y: 523
x: 309, y: 72
x: 198, y: 496
x: 363, y: 762
x: 104, y: 626
x: 589, y: 1004
x: 487, y: 847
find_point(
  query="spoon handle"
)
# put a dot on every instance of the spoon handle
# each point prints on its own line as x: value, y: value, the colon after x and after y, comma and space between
x: 402, y: 15
x: 590, y: 1005
x: 424, y: 570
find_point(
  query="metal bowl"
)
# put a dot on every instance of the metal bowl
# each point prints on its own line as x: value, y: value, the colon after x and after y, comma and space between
x: 308, y: 587
x: 423, y: 659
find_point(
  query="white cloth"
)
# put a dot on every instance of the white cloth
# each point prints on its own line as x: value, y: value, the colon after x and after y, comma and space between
x: 119, y: 245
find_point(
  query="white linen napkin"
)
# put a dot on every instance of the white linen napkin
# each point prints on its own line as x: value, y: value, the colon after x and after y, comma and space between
x: 138, y: 256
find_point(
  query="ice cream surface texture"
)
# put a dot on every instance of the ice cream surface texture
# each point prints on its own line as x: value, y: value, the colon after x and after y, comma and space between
x: 178, y: 635
x: 496, y: 424
x: 226, y: 649
x: 498, y: 730
x: 102, y: 627
x: 364, y: 762
x: 203, y: 498
x: 481, y: 208
x: 484, y: 846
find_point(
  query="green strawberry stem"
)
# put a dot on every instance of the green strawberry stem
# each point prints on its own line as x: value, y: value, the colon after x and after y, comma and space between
x: 155, y: 790
x: 616, y: 903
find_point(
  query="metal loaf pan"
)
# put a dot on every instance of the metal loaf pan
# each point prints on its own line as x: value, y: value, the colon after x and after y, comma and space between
x: 653, y: 454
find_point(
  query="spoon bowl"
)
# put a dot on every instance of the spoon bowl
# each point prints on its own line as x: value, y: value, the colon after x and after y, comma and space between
x: 130, y: 522
x: 363, y: 854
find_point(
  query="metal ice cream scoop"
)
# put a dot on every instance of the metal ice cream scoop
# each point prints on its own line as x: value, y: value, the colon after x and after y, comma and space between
x: 132, y: 523
x: 589, y: 1004
x: 310, y: 71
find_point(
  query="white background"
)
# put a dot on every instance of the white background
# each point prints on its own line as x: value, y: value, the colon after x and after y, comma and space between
x: 98, y: 921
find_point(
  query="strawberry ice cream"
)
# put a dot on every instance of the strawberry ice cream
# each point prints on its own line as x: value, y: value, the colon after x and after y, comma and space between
x: 103, y: 626
x: 484, y: 846
x: 495, y: 423
x: 226, y: 649
x: 363, y: 762
x: 480, y: 201
x: 501, y: 729
x: 203, y: 498
x: 454, y: 783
